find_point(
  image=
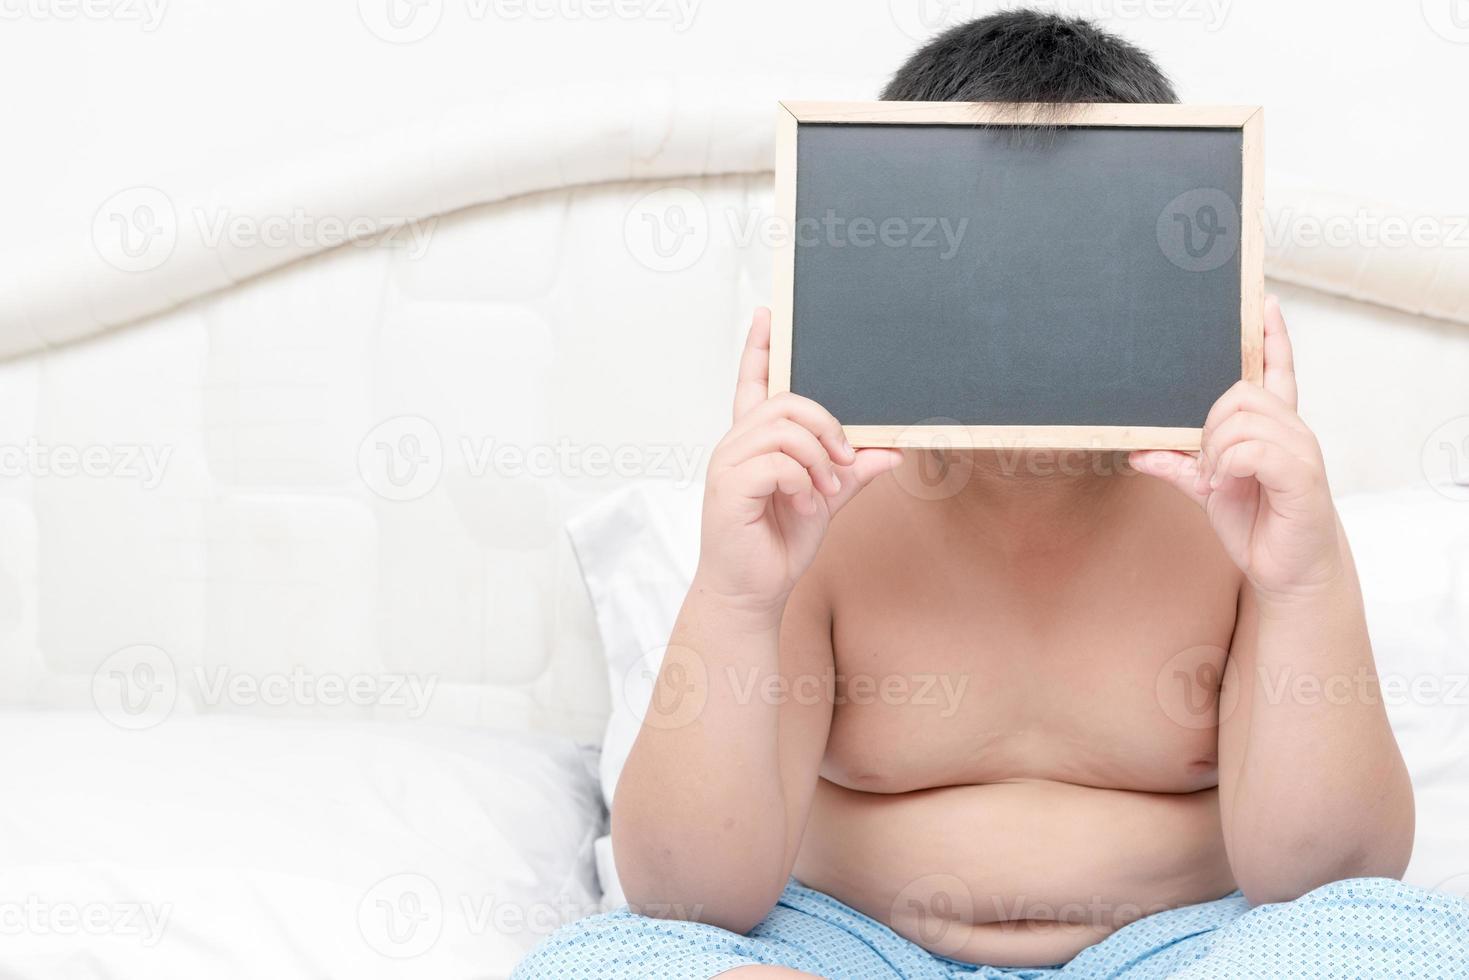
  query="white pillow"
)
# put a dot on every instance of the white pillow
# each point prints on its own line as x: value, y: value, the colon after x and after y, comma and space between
x: 1412, y: 552
x: 243, y: 847
x: 638, y: 550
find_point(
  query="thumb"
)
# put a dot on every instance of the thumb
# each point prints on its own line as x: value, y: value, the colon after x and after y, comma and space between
x: 1181, y: 470
x: 868, y: 466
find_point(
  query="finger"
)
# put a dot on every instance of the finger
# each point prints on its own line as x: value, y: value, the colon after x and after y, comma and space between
x: 806, y: 413
x: 1245, y: 426
x: 796, y: 441
x: 756, y: 480
x: 1243, y: 396
x: 1179, y: 470
x: 754, y: 379
x: 1275, y: 469
x: 868, y: 466
x: 1280, y: 361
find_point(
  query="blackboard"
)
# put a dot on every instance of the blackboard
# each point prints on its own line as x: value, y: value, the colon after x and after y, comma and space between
x: 1086, y: 283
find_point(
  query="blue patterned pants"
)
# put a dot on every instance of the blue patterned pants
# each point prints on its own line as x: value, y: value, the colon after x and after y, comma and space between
x: 1364, y: 927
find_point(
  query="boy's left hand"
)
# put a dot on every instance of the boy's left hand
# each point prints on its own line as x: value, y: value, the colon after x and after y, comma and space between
x: 1261, y: 479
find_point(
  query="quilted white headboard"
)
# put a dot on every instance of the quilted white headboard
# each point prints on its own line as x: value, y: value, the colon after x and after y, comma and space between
x: 246, y: 472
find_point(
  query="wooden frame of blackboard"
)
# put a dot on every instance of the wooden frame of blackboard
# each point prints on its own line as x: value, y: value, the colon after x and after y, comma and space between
x: 1249, y: 120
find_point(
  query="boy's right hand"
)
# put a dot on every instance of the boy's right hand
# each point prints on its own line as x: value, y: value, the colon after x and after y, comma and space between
x: 774, y: 482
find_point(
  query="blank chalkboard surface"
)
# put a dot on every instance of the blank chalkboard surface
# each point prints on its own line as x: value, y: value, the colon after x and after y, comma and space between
x: 954, y: 268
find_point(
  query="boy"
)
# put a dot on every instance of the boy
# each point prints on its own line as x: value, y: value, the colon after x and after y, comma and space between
x: 1112, y: 787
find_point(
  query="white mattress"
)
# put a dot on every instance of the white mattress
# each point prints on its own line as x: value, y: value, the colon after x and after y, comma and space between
x: 238, y: 848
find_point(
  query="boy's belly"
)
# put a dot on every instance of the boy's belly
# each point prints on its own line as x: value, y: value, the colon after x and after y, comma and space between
x: 1015, y: 873
x: 1023, y: 750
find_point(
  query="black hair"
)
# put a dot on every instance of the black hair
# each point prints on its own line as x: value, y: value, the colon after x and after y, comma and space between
x: 1029, y: 56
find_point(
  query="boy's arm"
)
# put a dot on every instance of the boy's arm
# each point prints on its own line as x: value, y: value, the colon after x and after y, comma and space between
x: 711, y: 804
x: 1312, y: 787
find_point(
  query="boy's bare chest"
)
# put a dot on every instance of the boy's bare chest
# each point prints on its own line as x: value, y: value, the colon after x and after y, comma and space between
x: 1108, y: 679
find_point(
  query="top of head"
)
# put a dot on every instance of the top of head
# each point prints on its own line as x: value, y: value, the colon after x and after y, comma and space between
x: 1031, y: 57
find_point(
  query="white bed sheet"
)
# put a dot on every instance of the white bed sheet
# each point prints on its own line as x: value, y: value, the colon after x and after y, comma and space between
x: 227, y: 847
